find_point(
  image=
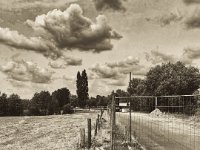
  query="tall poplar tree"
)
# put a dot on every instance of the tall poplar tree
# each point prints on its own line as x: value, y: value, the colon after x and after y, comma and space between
x: 82, y: 88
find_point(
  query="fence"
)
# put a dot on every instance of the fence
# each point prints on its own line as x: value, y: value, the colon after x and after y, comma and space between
x: 86, y: 136
x: 163, y: 122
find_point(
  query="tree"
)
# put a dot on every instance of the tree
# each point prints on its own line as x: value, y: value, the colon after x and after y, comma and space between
x: 136, y: 86
x: 172, y: 79
x: 14, y: 105
x: 82, y: 88
x: 40, y: 102
x: 3, y: 105
x: 63, y: 97
x: 74, y: 100
x: 53, y: 107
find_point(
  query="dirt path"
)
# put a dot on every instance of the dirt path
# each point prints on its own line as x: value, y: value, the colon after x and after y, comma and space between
x: 164, y: 133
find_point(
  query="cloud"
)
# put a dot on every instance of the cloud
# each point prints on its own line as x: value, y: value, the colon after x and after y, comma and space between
x: 193, y: 19
x: 64, y: 62
x: 190, y: 54
x: 36, y: 44
x: 117, y: 70
x: 156, y: 57
x: 26, y: 71
x: 109, y: 4
x: 120, y: 82
x: 59, y: 31
x: 191, y: 1
x: 70, y: 29
x: 18, y: 84
x: 166, y: 19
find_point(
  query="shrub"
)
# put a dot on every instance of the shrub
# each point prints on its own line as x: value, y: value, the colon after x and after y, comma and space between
x: 67, y: 109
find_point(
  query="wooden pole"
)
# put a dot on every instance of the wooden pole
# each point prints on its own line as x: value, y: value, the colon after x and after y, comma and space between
x: 112, y: 123
x: 130, y: 115
x: 99, y: 121
x: 114, y: 112
x: 96, y: 126
x: 82, y: 138
x: 89, y: 133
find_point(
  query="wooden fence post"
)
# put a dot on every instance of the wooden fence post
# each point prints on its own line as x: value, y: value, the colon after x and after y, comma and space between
x: 96, y: 126
x: 112, y: 123
x: 99, y: 121
x: 82, y: 138
x: 130, y: 120
x: 89, y: 133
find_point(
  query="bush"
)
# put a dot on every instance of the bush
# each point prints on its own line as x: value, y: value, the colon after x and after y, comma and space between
x: 67, y: 109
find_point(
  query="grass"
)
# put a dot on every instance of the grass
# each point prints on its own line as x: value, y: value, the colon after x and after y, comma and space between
x: 42, y: 132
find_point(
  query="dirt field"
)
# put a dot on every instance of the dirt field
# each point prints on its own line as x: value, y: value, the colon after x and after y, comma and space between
x: 56, y: 132
x: 165, y: 132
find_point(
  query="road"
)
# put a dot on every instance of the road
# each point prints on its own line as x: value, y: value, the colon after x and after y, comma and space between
x: 163, y: 133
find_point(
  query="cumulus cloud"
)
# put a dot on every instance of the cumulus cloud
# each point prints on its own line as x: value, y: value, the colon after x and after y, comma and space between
x: 166, y: 19
x: 109, y: 4
x: 26, y: 71
x: 156, y: 57
x: 64, y: 62
x: 70, y: 29
x: 37, y: 44
x: 117, y: 70
x: 59, y: 31
x: 191, y: 1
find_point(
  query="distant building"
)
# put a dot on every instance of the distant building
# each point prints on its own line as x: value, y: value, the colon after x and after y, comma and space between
x: 124, y: 106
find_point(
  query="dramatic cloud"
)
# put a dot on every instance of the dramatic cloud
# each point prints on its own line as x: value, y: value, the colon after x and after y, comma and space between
x: 191, y: 1
x: 63, y: 63
x: 37, y: 44
x: 70, y: 29
x: 109, y: 4
x: 26, y: 71
x: 117, y: 70
x: 156, y: 57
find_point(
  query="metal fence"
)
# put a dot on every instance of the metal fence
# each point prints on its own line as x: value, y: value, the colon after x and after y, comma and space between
x: 162, y: 122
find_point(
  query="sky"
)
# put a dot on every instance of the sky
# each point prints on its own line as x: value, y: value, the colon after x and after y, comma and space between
x: 44, y: 43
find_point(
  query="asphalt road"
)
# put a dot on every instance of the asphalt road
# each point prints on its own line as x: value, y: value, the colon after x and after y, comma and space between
x: 163, y: 133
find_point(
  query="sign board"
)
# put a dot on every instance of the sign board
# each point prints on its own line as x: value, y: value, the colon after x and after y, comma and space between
x: 123, y: 104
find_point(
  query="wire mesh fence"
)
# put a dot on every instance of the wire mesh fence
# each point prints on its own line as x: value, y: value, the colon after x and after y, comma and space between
x: 164, y: 122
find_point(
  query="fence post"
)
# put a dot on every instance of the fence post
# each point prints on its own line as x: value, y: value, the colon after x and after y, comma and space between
x: 130, y: 120
x: 82, y: 138
x: 96, y: 126
x: 89, y: 133
x: 112, y: 122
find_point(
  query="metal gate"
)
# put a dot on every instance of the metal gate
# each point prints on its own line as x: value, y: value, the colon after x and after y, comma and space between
x: 158, y: 123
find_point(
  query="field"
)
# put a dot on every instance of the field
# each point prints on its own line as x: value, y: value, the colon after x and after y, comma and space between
x: 58, y: 132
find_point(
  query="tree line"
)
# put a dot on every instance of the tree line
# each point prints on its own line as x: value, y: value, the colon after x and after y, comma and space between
x: 164, y: 79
